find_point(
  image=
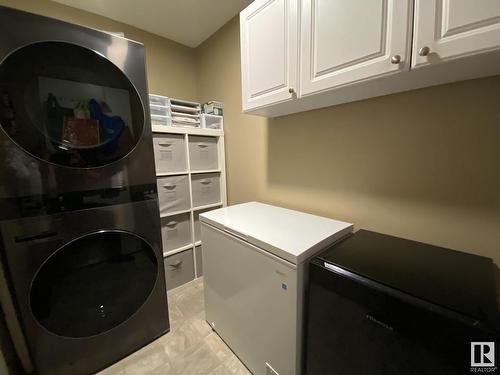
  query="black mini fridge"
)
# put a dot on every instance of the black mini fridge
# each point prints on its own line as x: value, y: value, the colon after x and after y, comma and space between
x: 382, y: 305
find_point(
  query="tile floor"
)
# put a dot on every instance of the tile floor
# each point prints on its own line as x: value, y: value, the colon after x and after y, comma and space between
x: 190, y: 348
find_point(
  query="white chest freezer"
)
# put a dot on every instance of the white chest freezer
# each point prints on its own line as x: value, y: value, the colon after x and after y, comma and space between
x: 254, y: 264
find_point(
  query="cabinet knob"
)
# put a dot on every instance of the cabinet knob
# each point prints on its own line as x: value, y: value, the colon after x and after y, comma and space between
x: 396, y: 59
x: 291, y: 90
x: 424, y: 51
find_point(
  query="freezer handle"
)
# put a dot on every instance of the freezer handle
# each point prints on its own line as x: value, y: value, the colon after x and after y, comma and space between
x: 235, y: 233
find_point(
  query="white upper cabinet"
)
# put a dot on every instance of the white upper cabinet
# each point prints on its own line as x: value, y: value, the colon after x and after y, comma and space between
x: 447, y: 29
x: 298, y: 55
x: 347, y: 41
x: 269, y: 45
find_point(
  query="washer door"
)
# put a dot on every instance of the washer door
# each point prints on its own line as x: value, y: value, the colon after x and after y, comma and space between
x: 93, y: 284
x: 69, y: 105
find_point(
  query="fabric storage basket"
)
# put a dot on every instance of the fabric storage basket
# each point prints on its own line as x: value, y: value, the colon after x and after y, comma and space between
x: 197, y: 227
x: 199, y: 261
x: 179, y: 269
x: 175, y: 231
x: 203, y: 153
x: 173, y: 194
x: 170, y: 153
x: 206, y: 189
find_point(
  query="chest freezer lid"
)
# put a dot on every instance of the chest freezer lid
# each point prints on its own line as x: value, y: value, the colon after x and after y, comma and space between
x: 291, y: 235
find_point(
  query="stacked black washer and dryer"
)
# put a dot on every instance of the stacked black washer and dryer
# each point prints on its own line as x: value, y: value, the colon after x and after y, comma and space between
x: 79, y: 222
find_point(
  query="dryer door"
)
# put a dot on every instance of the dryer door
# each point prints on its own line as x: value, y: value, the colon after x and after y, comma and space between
x: 93, y: 284
x: 69, y: 105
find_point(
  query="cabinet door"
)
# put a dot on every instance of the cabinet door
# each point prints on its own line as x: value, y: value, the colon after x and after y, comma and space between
x: 268, y: 32
x: 454, y: 28
x: 347, y: 41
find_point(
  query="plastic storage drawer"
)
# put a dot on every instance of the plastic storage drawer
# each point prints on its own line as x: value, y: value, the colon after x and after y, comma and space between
x: 179, y: 269
x: 175, y: 231
x: 158, y: 110
x: 206, y: 189
x: 158, y: 100
x: 203, y: 153
x: 212, y: 121
x: 170, y: 153
x: 161, y: 121
x: 199, y: 261
x: 173, y: 194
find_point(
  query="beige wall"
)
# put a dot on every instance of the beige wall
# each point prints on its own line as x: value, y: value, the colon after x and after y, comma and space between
x: 170, y: 65
x: 423, y: 165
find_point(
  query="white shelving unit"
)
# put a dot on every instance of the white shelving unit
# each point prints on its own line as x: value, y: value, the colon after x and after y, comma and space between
x: 181, y: 153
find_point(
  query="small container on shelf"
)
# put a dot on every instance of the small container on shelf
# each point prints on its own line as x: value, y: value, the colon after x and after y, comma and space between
x: 158, y: 100
x: 214, y: 122
x: 161, y: 120
x: 214, y: 107
x: 159, y: 110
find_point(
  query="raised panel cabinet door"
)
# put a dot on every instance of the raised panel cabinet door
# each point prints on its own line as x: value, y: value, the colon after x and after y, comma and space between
x: 343, y: 42
x: 447, y: 29
x: 269, y: 44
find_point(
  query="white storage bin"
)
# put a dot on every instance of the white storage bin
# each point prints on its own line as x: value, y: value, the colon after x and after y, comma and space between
x: 206, y: 189
x: 203, y: 153
x: 175, y: 231
x: 197, y: 226
x: 212, y: 122
x: 158, y: 100
x: 157, y: 110
x: 179, y: 269
x: 170, y: 153
x: 161, y: 120
x: 173, y: 194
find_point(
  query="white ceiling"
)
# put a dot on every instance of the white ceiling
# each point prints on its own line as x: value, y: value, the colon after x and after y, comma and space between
x: 189, y: 22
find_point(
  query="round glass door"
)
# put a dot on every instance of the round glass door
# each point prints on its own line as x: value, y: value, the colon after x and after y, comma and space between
x: 93, y: 284
x: 69, y: 105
